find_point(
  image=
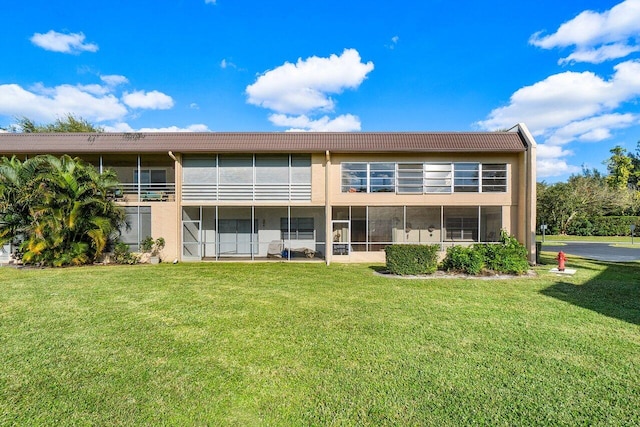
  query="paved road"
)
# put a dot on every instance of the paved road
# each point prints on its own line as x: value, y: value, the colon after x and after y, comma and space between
x: 597, y: 251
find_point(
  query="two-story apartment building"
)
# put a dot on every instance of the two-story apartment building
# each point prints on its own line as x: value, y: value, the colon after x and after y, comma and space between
x: 337, y: 197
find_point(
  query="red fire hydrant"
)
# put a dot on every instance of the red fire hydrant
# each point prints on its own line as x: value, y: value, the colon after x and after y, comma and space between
x: 561, y: 260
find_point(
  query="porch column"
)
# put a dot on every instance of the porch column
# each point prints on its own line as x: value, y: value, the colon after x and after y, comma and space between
x: 327, y: 209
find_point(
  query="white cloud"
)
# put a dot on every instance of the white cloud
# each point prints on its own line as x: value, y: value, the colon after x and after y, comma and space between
x: 125, y: 127
x: 194, y: 106
x: 46, y: 104
x: 394, y: 42
x: 114, y: 80
x: 190, y: 128
x: 64, y: 43
x: 119, y: 127
x: 570, y: 107
x: 153, y: 100
x: 554, y: 167
x: 568, y: 97
x: 302, y: 123
x: 304, y: 87
x: 210, y: 1
x: 552, y: 161
x: 546, y: 151
x: 93, y: 102
x: 593, y: 129
x: 601, y: 54
x: 597, y: 37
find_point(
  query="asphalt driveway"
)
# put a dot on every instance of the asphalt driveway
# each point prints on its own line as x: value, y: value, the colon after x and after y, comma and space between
x: 597, y: 251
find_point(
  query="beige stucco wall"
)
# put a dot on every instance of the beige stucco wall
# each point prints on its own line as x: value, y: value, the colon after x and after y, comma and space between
x: 165, y: 223
x: 509, y: 198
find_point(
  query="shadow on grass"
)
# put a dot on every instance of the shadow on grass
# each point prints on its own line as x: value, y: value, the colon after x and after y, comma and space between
x: 615, y: 292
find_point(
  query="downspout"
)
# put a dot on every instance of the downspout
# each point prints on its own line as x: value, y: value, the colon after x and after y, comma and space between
x: 327, y: 209
x: 177, y: 167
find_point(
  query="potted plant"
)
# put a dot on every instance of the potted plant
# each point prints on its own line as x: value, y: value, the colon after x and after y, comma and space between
x: 153, y: 248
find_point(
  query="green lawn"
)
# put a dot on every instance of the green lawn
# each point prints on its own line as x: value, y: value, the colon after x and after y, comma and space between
x: 306, y: 344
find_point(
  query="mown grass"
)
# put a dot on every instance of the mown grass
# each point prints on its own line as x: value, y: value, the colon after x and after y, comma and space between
x: 306, y: 344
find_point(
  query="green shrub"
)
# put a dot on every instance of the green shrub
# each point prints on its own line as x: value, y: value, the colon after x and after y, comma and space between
x: 412, y: 259
x: 509, y: 256
x: 122, y: 254
x: 469, y: 260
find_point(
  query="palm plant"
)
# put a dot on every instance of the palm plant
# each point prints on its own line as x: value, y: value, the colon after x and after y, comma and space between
x: 17, y: 194
x: 66, y: 217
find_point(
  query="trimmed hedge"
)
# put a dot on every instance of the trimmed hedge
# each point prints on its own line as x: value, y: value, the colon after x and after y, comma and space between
x: 410, y: 260
x: 603, y: 226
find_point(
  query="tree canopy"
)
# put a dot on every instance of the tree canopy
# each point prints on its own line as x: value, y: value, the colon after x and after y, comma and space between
x: 590, y: 195
x: 66, y: 124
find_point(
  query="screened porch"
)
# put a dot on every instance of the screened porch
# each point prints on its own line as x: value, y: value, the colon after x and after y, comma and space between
x: 253, y: 232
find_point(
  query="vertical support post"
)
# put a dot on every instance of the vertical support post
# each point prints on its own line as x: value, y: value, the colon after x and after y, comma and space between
x: 327, y: 209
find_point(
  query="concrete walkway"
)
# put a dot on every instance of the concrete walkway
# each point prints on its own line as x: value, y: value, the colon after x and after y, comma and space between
x: 597, y: 251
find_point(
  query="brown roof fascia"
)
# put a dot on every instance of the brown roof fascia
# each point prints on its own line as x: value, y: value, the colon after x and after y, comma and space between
x: 261, y: 142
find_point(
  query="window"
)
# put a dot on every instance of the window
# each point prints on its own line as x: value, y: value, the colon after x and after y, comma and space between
x: 138, y: 219
x: 197, y: 170
x: 410, y: 177
x: 423, y: 178
x: 437, y: 178
x: 494, y: 178
x: 461, y: 224
x: 382, y: 177
x: 301, y: 169
x: 301, y: 229
x: 462, y: 229
x: 354, y: 177
x: 149, y: 177
x: 466, y: 177
x: 236, y: 169
x: 272, y: 169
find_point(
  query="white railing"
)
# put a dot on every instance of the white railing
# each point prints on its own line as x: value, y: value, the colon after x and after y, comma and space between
x: 157, y: 192
x: 246, y: 192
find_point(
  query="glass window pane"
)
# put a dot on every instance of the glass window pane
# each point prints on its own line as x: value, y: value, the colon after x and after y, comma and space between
x: 382, y: 166
x: 437, y: 177
x: 138, y: 219
x: 410, y: 176
x: 354, y: 177
x: 494, y: 178
x: 466, y: 177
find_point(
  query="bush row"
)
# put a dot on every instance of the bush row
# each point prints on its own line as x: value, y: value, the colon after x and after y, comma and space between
x: 508, y: 256
x: 604, y: 226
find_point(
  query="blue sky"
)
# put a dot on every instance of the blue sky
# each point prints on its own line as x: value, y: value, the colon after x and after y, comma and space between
x: 568, y: 69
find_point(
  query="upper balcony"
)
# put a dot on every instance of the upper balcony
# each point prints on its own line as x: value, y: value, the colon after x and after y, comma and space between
x: 145, y: 178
